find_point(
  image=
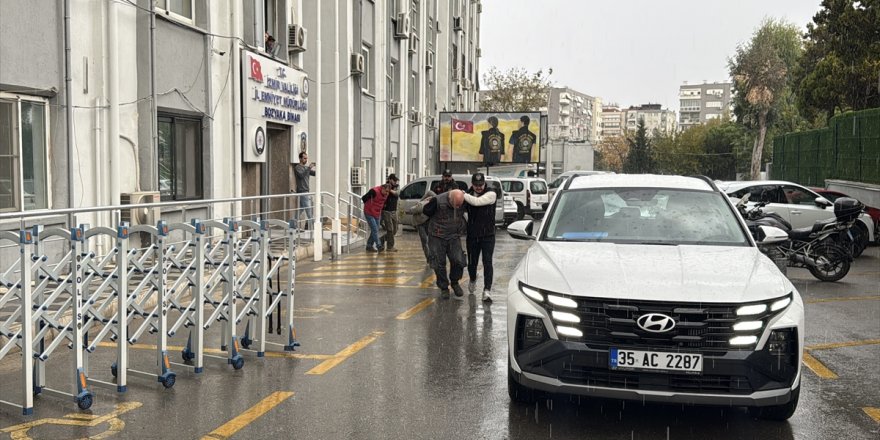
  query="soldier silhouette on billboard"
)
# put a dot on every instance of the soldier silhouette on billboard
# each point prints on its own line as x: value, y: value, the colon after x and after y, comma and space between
x: 522, y: 141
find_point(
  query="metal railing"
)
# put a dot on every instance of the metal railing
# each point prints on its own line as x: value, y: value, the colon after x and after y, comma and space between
x: 154, y: 280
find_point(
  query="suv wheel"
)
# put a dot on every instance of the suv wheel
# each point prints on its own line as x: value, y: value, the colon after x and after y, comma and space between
x: 778, y: 412
x: 516, y: 391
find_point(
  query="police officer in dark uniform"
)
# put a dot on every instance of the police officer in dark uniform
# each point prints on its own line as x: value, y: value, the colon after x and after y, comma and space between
x: 480, y: 205
x: 492, y: 143
x: 522, y: 141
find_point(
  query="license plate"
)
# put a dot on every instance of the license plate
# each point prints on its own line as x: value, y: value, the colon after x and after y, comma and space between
x: 620, y: 359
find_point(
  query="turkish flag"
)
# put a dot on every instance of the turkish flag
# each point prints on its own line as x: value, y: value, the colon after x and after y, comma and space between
x: 465, y: 126
x: 256, y: 69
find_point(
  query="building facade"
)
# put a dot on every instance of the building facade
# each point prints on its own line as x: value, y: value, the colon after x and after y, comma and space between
x: 573, y: 115
x: 613, y: 121
x: 195, y: 99
x: 657, y: 119
x: 699, y: 103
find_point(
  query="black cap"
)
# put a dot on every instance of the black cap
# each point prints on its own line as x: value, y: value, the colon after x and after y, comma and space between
x: 447, y: 173
x: 393, y: 177
x: 478, y: 179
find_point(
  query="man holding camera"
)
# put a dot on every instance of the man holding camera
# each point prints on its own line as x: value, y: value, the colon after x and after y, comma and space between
x: 389, y: 213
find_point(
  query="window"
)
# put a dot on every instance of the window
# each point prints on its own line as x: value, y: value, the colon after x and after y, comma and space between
x: 182, y: 9
x: 23, y: 159
x: 180, y: 158
x: 799, y: 196
x: 367, y: 77
x: 644, y: 216
x: 414, y: 191
x: 513, y: 186
x: 761, y: 193
x: 538, y: 187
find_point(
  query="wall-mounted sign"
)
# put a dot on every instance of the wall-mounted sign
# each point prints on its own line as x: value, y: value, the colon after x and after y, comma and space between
x: 271, y: 92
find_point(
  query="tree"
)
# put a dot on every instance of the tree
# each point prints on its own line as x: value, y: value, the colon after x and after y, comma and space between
x: 680, y: 153
x: 761, y: 70
x: 840, y: 69
x: 639, y: 160
x: 515, y: 90
x: 612, y: 152
x: 723, y: 140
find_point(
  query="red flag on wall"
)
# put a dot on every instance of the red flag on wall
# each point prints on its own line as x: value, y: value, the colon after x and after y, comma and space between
x: 465, y: 126
x: 256, y: 70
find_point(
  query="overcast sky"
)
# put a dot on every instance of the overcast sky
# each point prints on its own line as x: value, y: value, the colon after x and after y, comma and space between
x: 627, y: 51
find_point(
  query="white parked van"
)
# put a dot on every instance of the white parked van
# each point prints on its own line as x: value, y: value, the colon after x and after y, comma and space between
x: 529, y: 194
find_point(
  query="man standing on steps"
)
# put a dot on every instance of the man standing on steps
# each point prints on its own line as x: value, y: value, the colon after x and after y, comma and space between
x: 445, y: 227
x: 301, y: 172
x: 389, y: 213
x: 374, y: 200
x: 480, y: 233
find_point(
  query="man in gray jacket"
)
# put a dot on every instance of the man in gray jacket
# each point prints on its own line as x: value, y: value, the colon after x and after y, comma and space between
x: 301, y: 172
x: 445, y: 227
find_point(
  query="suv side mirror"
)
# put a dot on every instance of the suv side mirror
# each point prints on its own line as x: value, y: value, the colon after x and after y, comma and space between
x: 822, y: 202
x: 521, y: 230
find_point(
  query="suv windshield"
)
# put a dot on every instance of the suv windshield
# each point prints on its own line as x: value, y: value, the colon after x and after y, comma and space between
x: 644, y: 216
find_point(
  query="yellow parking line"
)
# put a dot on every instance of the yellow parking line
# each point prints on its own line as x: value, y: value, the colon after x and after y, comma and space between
x: 818, y: 367
x: 358, y: 283
x: 253, y: 413
x: 346, y: 353
x: 83, y: 420
x: 354, y: 272
x: 845, y: 298
x: 842, y: 344
x: 415, y: 309
x: 428, y: 282
x: 273, y: 354
x: 873, y: 413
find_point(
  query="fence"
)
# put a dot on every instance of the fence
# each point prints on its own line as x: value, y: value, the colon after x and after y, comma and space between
x: 848, y: 149
x: 116, y: 284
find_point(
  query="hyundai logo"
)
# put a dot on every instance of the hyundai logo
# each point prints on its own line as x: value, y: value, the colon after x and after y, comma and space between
x: 656, y: 323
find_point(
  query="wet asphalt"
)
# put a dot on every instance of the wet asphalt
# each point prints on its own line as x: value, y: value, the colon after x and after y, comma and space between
x: 441, y: 372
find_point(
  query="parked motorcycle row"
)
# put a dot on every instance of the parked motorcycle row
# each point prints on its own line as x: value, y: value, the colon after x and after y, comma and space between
x: 826, y: 249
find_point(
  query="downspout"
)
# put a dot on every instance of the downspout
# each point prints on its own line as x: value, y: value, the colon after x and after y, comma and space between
x: 153, y: 178
x: 236, y: 16
x: 318, y: 244
x: 113, y: 100
x: 68, y: 86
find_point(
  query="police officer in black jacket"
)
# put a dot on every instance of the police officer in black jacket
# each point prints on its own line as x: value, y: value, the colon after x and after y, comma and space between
x: 480, y: 205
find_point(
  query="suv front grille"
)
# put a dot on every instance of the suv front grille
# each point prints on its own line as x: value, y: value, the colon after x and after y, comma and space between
x: 601, y: 377
x: 699, y: 327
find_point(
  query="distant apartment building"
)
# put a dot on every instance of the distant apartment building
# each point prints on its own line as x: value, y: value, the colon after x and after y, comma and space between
x: 699, y: 103
x: 573, y: 115
x: 613, y: 121
x: 656, y: 118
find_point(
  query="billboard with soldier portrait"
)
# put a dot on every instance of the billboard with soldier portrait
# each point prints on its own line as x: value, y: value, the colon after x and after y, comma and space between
x: 490, y: 138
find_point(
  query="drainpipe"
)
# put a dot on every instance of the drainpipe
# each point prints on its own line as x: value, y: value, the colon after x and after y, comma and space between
x: 236, y: 16
x: 68, y: 86
x: 113, y: 100
x: 318, y: 227
x: 153, y: 178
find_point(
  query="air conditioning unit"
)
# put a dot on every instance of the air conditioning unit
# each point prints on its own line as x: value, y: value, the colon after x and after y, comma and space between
x: 456, y: 24
x: 415, y: 117
x: 357, y: 64
x: 401, y: 26
x: 466, y: 84
x: 456, y: 74
x: 358, y: 176
x: 140, y: 216
x: 413, y: 43
x: 410, y: 177
x: 479, y: 8
x: 429, y: 120
x: 296, y: 38
x: 459, y: 90
x: 429, y: 59
x: 388, y: 171
x: 479, y: 52
x: 396, y: 109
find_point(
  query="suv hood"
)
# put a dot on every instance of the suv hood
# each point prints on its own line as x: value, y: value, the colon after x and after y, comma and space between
x: 687, y: 273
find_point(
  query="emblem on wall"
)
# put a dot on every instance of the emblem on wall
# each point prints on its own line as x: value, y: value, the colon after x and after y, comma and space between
x: 304, y: 90
x: 259, y: 141
x: 303, y: 142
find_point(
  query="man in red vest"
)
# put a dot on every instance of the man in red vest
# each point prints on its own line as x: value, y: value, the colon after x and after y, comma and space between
x: 374, y: 201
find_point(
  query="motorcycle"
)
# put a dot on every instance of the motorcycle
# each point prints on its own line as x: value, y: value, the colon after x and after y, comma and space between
x: 815, y: 248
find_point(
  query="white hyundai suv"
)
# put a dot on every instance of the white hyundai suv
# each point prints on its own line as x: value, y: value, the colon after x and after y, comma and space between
x: 650, y: 288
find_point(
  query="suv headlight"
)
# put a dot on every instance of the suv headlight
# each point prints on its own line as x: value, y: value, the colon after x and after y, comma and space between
x: 754, y: 317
